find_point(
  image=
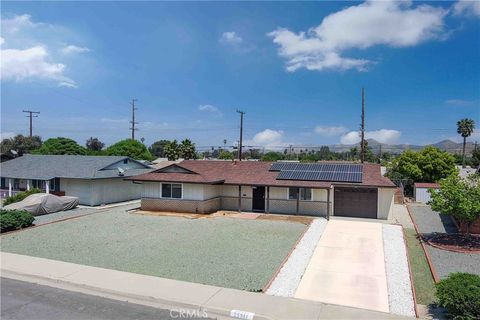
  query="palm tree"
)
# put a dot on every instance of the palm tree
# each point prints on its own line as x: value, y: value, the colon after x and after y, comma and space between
x: 187, y: 149
x: 465, y: 129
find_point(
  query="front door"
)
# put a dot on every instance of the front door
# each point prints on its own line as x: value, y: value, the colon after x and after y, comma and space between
x: 258, y: 202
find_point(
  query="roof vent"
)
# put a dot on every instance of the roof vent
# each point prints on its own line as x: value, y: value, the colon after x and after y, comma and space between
x: 121, y: 172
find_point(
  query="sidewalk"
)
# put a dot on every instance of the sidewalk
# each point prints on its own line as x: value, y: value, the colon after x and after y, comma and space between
x: 170, y: 294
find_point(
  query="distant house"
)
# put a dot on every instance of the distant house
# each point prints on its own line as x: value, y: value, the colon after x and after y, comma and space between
x: 94, y: 179
x: 420, y: 191
x: 320, y: 189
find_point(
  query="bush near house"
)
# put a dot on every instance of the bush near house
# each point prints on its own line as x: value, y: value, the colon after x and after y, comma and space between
x: 460, y: 295
x: 15, y: 219
x: 20, y: 196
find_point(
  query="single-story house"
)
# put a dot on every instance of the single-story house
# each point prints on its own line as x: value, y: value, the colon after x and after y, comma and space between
x: 320, y: 189
x: 95, y: 180
x: 420, y: 191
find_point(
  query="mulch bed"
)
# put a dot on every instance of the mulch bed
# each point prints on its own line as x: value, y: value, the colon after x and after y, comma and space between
x: 456, y: 242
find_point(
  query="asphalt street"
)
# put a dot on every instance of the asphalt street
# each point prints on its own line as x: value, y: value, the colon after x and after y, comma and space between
x: 24, y: 301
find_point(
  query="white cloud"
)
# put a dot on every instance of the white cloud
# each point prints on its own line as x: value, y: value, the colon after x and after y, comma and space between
x: 110, y: 120
x: 467, y: 7
x: 230, y: 37
x: 208, y: 108
x: 74, y: 49
x: 24, y: 58
x: 459, y: 102
x: 18, y: 65
x: 386, y: 136
x: 268, y: 138
x: 330, y: 130
x: 394, y: 24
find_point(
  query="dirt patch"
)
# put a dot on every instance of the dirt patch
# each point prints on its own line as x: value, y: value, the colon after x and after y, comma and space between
x: 456, y: 242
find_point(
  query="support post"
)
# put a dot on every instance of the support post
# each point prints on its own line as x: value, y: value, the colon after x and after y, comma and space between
x: 328, y: 204
x: 268, y: 199
x: 9, y: 187
x: 239, y: 198
x: 28, y: 185
x: 298, y: 200
x: 47, y: 186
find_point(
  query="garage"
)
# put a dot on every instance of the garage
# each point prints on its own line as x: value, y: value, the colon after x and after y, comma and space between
x: 355, y: 202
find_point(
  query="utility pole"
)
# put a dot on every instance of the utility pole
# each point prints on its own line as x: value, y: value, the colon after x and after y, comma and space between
x: 241, y: 135
x: 133, y: 119
x: 362, y: 132
x: 31, y: 114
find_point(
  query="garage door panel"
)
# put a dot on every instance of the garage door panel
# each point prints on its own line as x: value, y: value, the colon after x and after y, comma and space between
x: 356, y: 202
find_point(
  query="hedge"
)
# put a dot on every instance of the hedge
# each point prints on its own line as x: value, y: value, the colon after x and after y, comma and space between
x: 460, y: 295
x: 20, y: 196
x: 15, y: 219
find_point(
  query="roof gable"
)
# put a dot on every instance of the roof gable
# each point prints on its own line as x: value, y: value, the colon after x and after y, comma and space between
x: 175, y: 168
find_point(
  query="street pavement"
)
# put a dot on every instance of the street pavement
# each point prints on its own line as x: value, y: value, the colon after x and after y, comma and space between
x: 24, y: 301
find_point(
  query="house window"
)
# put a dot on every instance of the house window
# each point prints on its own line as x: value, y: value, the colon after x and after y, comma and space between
x: 52, y: 185
x: 172, y: 190
x: 16, y: 184
x: 305, y: 193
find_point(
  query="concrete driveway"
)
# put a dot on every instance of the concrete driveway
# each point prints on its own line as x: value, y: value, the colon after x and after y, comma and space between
x: 348, y: 267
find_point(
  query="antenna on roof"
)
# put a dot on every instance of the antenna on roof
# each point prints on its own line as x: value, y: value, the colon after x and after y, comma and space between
x: 121, y: 172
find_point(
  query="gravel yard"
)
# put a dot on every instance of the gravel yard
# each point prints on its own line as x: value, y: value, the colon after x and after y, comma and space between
x: 227, y: 252
x: 445, y: 262
x: 288, y: 279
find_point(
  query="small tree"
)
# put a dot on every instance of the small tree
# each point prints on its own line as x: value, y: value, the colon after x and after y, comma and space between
x: 272, y: 156
x: 172, y: 151
x: 459, y: 198
x: 129, y: 148
x: 225, y: 155
x: 187, y: 150
x: 465, y: 128
x: 93, y: 144
x: 61, y: 146
x: 158, y: 148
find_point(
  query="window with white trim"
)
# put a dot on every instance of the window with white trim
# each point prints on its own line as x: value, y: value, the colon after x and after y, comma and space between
x: 305, y: 193
x: 172, y: 190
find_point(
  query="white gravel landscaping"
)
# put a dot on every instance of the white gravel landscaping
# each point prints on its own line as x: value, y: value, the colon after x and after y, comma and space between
x: 288, y: 279
x: 400, y: 295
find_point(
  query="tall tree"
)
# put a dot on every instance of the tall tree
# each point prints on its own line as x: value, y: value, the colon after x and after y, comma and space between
x: 172, y: 151
x: 94, y: 144
x: 187, y: 150
x: 20, y: 144
x: 465, y: 128
x: 129, y: 148
x: 61, y: 145
x: 158, y: 148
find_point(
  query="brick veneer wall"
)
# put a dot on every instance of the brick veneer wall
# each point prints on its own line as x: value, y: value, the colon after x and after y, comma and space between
x: 179, y: 205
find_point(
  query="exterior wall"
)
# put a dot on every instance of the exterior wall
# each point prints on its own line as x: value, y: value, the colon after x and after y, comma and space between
x: 78, y: 188
x: 385, y: 203
x: 190, y: 191
x: 106, y: 191
x: 181, y: 205
x: 100, y: 191
x: 422, y: 195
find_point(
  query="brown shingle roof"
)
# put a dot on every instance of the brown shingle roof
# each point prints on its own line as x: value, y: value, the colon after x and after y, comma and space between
x: 251, y: 173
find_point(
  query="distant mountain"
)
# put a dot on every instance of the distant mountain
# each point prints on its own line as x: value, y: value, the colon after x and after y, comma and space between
x: 446, y: 145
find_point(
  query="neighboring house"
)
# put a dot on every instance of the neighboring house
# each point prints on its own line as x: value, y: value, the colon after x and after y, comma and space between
x: 322, y: 189
x: 420, y: 191
x: 95, y: 180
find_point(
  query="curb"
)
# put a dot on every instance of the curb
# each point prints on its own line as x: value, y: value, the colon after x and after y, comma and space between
x: 436, y: 279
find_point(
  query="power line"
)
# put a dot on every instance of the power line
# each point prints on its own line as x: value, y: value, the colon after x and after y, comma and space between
x: 133, y: 119
x: 31, y: 114
x: 241, y: 135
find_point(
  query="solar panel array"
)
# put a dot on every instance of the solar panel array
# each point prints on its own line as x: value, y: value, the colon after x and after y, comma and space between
x: 318, y: 171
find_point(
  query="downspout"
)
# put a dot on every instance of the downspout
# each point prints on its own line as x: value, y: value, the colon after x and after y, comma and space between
x: 239, y: 198
x: 328, y: 203
x: 298, y: 200
x: 268, y: 199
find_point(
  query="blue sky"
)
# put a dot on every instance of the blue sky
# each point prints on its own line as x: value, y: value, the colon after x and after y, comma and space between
x: 296, y: 69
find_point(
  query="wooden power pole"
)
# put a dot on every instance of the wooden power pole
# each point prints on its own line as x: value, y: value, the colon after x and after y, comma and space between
x: 241, y: 135
x: 133, y: 119
x: 362, y: 132
x: 31, y: 114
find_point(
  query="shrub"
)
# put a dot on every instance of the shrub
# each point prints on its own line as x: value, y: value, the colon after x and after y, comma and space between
x: 20, y: 196
x: 460, y: 295
x: 15, y: 219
